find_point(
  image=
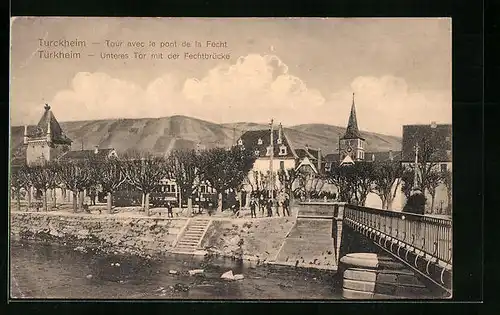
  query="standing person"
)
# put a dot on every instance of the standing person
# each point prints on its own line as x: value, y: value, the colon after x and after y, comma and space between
x: 286, y: 205
x: 93, y: 195
x: 416, y: 202
x: 269, y: 206
x: 170, y: 212
x: 262, y: 205
x: 253, y: 206
x: 276, y: 207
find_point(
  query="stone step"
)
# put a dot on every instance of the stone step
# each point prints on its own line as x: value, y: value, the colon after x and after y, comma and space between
x: 194, y: 233
x: 188, y: 242
x: 190, y: 228
x: 191, y: 237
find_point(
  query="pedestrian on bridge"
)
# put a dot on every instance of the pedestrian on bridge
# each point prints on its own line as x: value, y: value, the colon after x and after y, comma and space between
x: 416, y: 202
x: 170, y: 212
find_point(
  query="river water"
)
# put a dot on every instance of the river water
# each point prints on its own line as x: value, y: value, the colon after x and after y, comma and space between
x: 57, y: 272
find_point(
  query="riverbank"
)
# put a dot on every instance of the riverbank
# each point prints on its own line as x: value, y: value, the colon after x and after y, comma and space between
x: 255, y: 240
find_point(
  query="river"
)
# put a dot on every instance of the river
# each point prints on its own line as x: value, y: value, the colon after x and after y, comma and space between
x: 59, y: 272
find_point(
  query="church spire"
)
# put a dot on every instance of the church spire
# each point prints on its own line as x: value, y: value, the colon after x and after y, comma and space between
x: 352, y: 131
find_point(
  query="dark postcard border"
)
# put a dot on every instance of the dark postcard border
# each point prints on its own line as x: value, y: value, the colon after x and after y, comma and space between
x: 467, y: 134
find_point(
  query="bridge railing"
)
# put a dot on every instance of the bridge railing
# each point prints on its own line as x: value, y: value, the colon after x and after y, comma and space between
x: 432, y: 236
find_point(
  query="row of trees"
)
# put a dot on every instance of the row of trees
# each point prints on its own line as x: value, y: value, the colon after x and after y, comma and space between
x: 223, y: 169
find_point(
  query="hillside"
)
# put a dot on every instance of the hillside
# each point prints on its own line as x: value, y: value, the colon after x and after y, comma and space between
x: 160, y: 135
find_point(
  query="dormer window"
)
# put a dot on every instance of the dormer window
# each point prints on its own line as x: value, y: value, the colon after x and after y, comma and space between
x: 242, y: 148
x: 282, y: 150
x: 268, y: 152
x: 280, y: 141
x: 259, y: 142
x: 240, y: 142
x: 257, y: 152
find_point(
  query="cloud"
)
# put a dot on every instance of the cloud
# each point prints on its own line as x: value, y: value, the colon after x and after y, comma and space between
x: 254, y: 88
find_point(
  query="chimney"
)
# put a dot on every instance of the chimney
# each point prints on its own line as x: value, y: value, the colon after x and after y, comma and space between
x: 25, y: 134
x: 96, y: 149
x: 391, y: 158
x: 320, y: 170
x: 433, y: 124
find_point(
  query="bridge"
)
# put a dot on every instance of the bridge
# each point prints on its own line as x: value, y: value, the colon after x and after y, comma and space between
x: 422, y: 244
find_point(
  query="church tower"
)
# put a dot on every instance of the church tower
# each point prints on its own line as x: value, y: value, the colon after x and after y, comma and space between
x: 47, y: 141
x: 352, y: 143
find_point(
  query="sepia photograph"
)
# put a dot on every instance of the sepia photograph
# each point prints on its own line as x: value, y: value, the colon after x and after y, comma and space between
x: 230, y: 158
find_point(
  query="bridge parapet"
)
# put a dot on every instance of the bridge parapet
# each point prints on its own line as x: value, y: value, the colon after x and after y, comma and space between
x: 424, y: 243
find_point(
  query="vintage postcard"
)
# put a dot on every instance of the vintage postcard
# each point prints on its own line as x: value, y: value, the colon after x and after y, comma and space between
x: 230, y: 158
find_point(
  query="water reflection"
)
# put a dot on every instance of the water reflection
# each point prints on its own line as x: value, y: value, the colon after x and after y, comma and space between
x: 43, y: 271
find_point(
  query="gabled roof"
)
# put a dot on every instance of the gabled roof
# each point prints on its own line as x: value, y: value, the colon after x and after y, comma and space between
x: 308, y: 152
x: 250, y: 140
x: 438, y: 137
x: 352, y: 131
x: 307, y: 162
x: 56, y: 132
x: 84, y: 154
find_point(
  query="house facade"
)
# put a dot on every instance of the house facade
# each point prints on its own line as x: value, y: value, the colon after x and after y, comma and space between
x: 431, y: 144
x: 270, y: 157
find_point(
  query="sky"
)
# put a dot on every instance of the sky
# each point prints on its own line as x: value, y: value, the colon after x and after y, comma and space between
x: 294, y: 70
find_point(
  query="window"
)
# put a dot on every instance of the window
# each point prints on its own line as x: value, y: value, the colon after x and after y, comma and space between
x: 242, y: 148
x: 280, y: 141
x: 240, y: 142
x: 257, y: 152
x: 444, y: 167
x: 282, y: 165
x: 259, y: 142
x: 283, y: 150
x: 203, y: 189
x: 268, y: 153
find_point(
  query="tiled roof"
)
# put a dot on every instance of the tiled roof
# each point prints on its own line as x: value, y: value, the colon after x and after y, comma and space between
x: 438, y: 138
x: 352, y: 131
x: 83, y: 154
x: 310, y: 153
x: 369, y: 156
x: 250, y: 140
x: 40, y: 130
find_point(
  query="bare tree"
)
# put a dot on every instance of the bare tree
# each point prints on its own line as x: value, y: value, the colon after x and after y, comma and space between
x: 447, y: 181
x: 111, y: 177
x: 17, y: 182
x: 43, y: 177
x: 386, y: 182
x: 287, y: 178
x: 341, y: 176
x: 362, y: 176
x: 226, y: 169
x: 433, y: 179
x: 144, y: 171
x: 186, y: 167
x: 407, y: 176
x: 76, y: 176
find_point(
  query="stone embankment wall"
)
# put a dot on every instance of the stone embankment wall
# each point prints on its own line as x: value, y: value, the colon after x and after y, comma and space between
x: 255, y: 240
x: 108, y: 233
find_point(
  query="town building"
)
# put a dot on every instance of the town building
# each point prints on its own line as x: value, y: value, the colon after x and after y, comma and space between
x: 431, y: 146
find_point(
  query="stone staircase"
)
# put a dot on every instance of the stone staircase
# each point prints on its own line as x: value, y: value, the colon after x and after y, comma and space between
x: 190, y: 239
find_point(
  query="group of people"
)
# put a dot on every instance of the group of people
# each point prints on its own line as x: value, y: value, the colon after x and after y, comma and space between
x: 269, y: 205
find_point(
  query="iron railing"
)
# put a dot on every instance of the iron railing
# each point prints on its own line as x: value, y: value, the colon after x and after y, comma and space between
x: 430, y: 236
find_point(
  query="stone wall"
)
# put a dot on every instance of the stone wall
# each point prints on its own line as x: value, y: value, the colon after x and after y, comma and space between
x: 256, y: 240
x: 138, y: 236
